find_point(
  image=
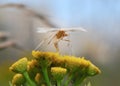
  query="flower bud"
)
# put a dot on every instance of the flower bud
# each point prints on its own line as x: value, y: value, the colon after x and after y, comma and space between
x: 58, y: 73
x: 20, y: 66
x: 18, y: 80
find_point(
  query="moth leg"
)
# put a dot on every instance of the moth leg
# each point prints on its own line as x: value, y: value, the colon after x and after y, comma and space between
x: 69, y: 44
x: 56, y: 44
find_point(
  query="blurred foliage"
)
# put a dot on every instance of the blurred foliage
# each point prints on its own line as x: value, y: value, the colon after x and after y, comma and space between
x: 5, y: 74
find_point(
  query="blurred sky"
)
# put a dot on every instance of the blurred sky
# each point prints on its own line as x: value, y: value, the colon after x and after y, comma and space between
x: 101, y: 15
x: 75, y: 12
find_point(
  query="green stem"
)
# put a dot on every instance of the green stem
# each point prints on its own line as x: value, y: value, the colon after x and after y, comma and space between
x: 26, y: 84
x: 30, y: 82
x: 45, y: 74
x: 68, y: 80
x: 58, y: 82
x: 79, y: 81
x: 10, y: 83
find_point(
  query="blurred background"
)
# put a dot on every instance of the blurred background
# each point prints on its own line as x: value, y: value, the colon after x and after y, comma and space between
x: 101, y: 44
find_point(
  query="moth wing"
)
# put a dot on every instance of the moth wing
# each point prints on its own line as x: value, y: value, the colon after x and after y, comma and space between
x: 46, y: 30
x: 74, y: 29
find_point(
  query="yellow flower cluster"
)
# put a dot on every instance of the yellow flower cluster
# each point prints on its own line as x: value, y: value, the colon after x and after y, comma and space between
x: 44, y: 58
x: 46, y: 67
x: 71, y: 63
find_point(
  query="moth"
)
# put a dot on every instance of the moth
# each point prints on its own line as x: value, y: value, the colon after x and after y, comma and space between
x: 60, y: 34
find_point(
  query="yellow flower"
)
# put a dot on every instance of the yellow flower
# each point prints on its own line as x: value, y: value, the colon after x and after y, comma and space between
x: 58, y: 73
x: 33, y: 68
x: 20, y: 66
x: 44, y: 58
x: 75, y: 63
x: 58, y: 62
x: 38, y: 78
x: 93, y: 70
x: 18, y: 80
x: 31, y: 64
x: 38, y: 54
x: 83, y: 62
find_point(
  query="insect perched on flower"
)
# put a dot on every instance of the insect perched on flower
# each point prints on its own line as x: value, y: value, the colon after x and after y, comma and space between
x: 59, y: 34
